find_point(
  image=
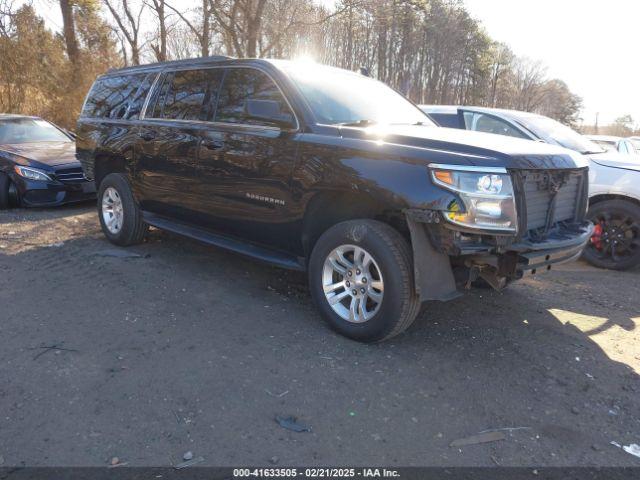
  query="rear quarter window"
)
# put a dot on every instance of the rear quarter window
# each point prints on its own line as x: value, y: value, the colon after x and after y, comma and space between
x: 118, y: 97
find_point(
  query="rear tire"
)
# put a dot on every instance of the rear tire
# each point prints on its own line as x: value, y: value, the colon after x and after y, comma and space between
x: 119, y: 213
x: 367, y: 264
x: 616, y: 221
x: 5, y: 184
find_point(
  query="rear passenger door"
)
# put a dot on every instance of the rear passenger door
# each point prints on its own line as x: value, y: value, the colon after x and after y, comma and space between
x: 169, y: 140
x: 246, y: 158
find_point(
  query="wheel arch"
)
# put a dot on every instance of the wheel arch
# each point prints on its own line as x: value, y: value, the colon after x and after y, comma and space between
x: 106, y: 163
x: 612, y: 196
x: 328, y: 208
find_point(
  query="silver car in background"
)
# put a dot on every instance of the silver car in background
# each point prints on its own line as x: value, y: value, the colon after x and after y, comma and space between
x: 615, y: 144
x: 614, y: 178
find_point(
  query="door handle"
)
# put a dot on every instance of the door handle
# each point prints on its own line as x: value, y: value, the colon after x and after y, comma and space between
x: 148, y: 136
x: 213, y: 144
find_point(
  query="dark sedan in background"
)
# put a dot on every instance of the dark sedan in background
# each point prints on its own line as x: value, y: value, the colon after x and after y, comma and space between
x: 38, y: 165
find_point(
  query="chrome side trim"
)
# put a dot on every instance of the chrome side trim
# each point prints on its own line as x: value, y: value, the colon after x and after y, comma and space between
x: 204, y: 124
x: 468, y: 168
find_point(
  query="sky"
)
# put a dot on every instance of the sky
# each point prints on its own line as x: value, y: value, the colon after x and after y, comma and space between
x: 590, y: 44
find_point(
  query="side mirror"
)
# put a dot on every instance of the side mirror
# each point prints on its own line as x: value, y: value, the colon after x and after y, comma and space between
x: 268, y: 111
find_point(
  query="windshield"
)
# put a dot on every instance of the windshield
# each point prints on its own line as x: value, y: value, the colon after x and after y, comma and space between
x: 609, y: 146
x: 341, y: 97
x: 26, y: 130
x: 555, y: 132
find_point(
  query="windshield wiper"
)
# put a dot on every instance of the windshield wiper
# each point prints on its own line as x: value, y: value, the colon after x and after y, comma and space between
x: 357, y: 123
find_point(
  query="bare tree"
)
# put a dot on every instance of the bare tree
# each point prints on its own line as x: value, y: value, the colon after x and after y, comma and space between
x: 160, y: 48
x: 128, y: 24
x: 69, y: 30
x: 201, y: 31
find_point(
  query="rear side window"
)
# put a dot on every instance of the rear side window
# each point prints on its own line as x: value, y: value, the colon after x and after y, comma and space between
x: 240, y: 85
x: 109, y: 97
x: 189, y: 95
x: 137, y: 101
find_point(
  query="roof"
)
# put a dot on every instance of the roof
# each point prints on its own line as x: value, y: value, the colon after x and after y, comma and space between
x: 170, y: 63
x: 604, y: 138
x: 451, y: 109
x: 454, y: 108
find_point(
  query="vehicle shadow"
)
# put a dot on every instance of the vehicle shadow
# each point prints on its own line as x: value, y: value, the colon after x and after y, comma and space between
x: 200, y: 349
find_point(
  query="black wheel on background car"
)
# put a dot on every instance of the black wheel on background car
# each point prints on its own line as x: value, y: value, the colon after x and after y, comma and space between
x: 119, y: 214
x: 615, y: 243
x: 5, y: 184
x: 360, y: 275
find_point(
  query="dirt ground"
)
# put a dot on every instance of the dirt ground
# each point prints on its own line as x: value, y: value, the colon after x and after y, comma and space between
x: 189, y: 348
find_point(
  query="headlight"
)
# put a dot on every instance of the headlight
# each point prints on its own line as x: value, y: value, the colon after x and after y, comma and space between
x: 487, y: 194
x: 32, y: 173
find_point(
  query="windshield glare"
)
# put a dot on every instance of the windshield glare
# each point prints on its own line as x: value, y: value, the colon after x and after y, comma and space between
x: 553, y: 131
x: 340, y: 97
x: 27, y: 130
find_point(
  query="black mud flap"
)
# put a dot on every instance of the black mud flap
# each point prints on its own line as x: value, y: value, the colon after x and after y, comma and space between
x: 433, y: 275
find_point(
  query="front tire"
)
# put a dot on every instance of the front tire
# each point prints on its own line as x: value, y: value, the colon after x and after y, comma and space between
x: 360, y: 275
x: 616, y: 241
x: 119, y: 213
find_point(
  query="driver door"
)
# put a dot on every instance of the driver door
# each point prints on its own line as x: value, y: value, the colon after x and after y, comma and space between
x: 245, y: 160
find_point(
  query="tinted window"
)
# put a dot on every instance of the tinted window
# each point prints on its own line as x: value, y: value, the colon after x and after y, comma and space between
x: 490, y: 124
x: 449, y: 120
x: 154, y: 110
x: 191, y: 94
x: 137, y: 101
x: 109, y: 97
x: 242, y: 84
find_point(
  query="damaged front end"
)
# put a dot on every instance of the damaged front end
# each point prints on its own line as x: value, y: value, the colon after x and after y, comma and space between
x: 498, y: 234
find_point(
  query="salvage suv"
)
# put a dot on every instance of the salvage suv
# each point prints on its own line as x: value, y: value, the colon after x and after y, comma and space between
x: 314, y: 168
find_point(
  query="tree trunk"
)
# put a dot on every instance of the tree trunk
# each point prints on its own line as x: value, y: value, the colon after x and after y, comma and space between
x: 206, y: 28
x: 69, y: 30
x: 254, y: 24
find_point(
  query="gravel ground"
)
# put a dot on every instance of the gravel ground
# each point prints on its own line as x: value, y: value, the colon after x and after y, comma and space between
x: 190, y: 348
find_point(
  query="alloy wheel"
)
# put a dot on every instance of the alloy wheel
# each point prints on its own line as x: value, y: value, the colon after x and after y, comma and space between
x: 616, y: 236
x: 352, y: 283
x: 112, y: 210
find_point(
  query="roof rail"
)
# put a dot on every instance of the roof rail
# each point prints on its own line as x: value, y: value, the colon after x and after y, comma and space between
x: 186, y: 61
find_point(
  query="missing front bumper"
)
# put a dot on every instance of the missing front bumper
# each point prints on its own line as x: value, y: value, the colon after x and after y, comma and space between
x: 530, y: 258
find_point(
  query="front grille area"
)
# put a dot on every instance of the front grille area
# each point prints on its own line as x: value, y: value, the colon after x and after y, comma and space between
x: 539, y: 191
x: 70, y: 175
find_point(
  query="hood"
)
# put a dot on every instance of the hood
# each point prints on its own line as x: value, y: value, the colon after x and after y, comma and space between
x: 51, y: 154
x: 617, y: 160
x: 473, y: 148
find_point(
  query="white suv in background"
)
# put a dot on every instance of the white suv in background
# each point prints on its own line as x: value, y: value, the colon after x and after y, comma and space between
x: 614, y: 178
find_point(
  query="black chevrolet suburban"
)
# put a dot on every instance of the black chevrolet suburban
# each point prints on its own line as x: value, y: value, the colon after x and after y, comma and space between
x: 315, y: 168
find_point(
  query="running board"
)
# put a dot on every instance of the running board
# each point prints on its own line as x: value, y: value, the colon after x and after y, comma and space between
x: 267, y: 255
